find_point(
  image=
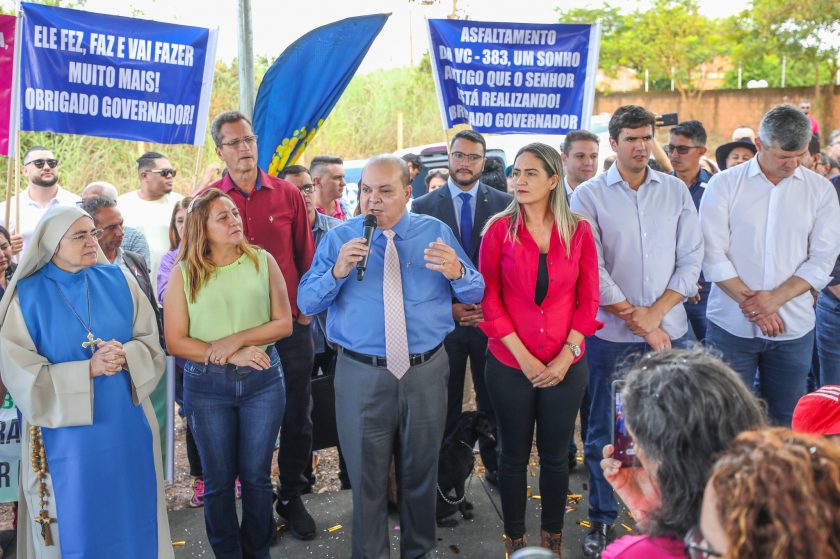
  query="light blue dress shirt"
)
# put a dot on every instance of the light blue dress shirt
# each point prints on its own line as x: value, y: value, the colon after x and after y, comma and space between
x: 458, y: 202
x: 648, y: 240
x: 356, y: 318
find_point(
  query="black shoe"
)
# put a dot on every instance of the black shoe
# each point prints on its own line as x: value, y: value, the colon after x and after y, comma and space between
x: 573, y: 463
x: 597, y: 539
x: 298, y: 521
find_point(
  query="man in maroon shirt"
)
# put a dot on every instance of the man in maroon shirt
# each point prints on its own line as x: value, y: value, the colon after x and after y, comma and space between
x: 274, y: 216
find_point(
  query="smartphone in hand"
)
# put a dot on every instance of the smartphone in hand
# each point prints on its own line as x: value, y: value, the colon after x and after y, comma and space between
x: 668, y: 119
x: 625, y: 451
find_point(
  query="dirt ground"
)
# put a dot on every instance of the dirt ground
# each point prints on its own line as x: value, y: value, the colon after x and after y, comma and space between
x: 179, y: 492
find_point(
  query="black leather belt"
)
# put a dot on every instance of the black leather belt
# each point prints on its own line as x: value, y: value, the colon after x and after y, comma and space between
x: 376, y: 361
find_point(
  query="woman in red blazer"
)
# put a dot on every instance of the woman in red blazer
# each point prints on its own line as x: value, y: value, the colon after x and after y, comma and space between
x: 540, y: 267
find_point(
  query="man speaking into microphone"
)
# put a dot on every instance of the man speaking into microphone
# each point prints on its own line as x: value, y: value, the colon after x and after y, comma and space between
x: 392, y: 371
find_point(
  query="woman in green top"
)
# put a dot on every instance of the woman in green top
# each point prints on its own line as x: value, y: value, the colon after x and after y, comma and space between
x: 225, y: 306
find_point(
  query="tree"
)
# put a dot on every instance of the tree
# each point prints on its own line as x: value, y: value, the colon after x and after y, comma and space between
x: 671, y: 40
x: 807, y: 29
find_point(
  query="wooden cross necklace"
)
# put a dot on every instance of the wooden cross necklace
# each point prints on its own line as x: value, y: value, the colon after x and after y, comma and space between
x: 92, y: 341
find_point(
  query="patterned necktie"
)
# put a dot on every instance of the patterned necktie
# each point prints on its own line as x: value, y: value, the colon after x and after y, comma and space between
x: 396, y: 338
x: 466, y: 222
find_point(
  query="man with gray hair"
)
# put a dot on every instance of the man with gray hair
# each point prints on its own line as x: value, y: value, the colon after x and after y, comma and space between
x: 133, y: 240
x: 772, y: 234
x: 392, y: 369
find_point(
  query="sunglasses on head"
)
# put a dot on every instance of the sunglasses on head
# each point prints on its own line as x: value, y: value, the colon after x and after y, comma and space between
x: 165, y: 173
x: 52, y: 163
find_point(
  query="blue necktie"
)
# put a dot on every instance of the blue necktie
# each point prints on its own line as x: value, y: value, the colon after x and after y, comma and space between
x: 466, y: 222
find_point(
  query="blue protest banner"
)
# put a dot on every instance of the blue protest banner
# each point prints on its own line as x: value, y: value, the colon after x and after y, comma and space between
x: 116, y: 77
x: 514, y: 78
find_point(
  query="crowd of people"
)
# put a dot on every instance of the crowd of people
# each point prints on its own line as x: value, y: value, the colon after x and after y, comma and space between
x: 710, y: 290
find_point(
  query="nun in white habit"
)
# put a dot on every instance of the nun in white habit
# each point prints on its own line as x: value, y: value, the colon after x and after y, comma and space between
x: 79, y: 353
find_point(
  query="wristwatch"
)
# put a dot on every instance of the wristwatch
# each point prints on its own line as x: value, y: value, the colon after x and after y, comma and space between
x: 463, y: 273
x: 574, y: 348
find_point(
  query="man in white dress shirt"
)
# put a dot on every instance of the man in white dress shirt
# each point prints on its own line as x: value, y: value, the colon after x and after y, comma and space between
x: 40, y: 167
x: 650, y: 249
x: 772, y: 233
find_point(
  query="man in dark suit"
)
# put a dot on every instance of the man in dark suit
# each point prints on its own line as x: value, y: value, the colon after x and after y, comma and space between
x: 465, y: 204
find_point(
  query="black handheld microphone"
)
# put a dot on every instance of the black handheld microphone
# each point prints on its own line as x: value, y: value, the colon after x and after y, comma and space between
x: 370, y: 227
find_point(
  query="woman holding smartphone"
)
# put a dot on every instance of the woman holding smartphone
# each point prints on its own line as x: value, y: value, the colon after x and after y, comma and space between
x: 225, y: 306
x: 540, y: 267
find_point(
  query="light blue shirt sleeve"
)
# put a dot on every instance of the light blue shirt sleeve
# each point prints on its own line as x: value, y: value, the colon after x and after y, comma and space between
x: 356, y: 309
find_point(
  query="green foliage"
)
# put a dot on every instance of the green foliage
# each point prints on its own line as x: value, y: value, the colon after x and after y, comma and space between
x: 799, y: 71
x: 364, y: 121
x: 670, y: 39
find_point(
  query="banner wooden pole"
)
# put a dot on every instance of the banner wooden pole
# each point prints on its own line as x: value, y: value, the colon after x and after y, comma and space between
x: 9, y: 163
x: 18, y: 227
x: 197, y: 167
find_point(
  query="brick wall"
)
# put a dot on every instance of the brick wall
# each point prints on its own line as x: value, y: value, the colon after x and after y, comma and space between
x: 723, y: 110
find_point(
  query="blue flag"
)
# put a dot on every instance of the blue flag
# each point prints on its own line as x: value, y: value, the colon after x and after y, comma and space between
x: 304, y: 84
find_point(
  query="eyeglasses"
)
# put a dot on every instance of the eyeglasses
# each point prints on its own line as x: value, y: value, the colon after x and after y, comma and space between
x: 696, y: 545
x: 682, y: 150
x: 82, y: 237
x: 165, y: 173
x: 458, y: 157
x: 52, y: 163
x: 250, y: 140
x: 308, y: 188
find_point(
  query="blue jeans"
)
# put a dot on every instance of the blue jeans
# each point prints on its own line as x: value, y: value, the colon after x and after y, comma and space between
x: 782, y: 367
x: 696, y: 314
x: 604, y: 359
x: 235, y: 414
x: 828, y: 339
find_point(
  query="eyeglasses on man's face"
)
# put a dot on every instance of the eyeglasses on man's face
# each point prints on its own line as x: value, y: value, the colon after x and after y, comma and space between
x: 682, y: 150
x: 458, y: 157
x: 39, y: 163
x: 237, y: 143
x: 165, y: 173
x: 308, y: 188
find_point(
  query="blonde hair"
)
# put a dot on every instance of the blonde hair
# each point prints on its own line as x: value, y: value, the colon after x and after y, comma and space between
x: 195, y: 246
x: 565, y: 220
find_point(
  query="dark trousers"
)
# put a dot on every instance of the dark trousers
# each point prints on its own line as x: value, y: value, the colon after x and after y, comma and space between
x: 519, y: 406
x: 380, y: 416
x: 696, y: 314
x: 782, y: 367
x: 584, y: 421
x: 192, y: 451
x: 605, y: 358
x: 296, y: 355
x: 462, y: 343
